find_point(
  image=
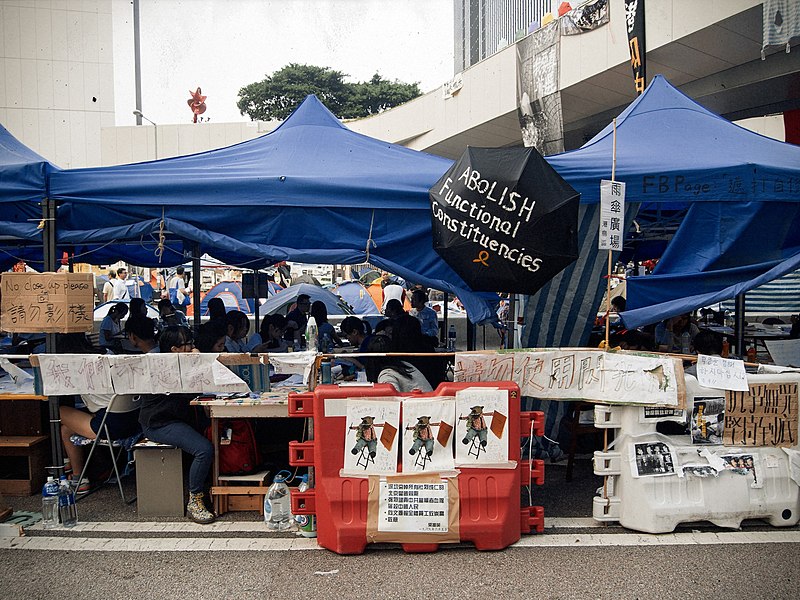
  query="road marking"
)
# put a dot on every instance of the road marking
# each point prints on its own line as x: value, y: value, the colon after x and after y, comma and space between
x: 134, y: 527
x: 267, y: 544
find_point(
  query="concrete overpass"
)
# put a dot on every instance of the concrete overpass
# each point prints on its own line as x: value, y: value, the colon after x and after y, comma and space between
x: 710, y: 50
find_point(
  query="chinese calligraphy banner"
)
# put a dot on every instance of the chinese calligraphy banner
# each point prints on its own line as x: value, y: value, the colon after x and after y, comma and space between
x: 765, y: 415
x: 634, y: 22
x: 47, y: 302
x: 612, y: 215
x: 565, y: 374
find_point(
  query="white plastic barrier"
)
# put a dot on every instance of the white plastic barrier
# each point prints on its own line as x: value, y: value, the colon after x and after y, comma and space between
x: 655, y: 481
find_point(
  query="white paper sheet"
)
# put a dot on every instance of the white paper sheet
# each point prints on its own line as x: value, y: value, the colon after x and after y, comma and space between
x: 64, y: 374
x: 130, y: 374
x: 419, y: 436
x: 721, y: 373
x: 470, y: 433
x: 357, y: 459
x: 785, y: 353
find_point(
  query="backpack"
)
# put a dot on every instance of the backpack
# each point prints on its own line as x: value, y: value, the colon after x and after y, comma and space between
x: 240, y: 456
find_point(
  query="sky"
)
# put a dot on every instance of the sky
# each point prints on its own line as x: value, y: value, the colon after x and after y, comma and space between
x: 223, y: 45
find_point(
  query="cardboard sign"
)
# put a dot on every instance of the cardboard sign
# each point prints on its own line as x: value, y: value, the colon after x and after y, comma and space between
x: 47, y: 302
x: 765, y: 415
x: 612, y: 215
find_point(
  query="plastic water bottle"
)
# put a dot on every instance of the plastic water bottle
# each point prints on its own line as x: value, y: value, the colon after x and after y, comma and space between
x: 327, y: 374
x: 312, y: 334
x: 67, y: 510
x: 686, y: 341
x: 50, y: 503
x: 279, y: 503
x: 306, y: 523
x: 451, y: 338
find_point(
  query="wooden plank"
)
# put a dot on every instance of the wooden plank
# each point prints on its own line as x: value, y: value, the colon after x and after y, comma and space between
x: 21, y: 441
x: 238, y: 490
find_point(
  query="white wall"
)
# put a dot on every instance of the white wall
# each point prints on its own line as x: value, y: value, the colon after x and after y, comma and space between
x: 57, y: 76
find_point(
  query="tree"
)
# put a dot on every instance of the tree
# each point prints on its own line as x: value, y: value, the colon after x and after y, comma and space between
x: 279, y: 94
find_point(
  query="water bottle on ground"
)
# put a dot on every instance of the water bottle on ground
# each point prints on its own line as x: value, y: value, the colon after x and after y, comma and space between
x: 50, y: 503
x: 451, y: 338
x: 67, y: 510
x: 279, y: 503
x: 306, y: 523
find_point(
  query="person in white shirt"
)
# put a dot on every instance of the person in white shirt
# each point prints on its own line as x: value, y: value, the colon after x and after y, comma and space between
x: 404, y: 376
x: 120, y: 289
x: 178, y: 283
x: 391, y: 291
x: 108, y: 286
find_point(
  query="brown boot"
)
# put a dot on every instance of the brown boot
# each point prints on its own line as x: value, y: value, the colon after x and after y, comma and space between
x: 196, y: 510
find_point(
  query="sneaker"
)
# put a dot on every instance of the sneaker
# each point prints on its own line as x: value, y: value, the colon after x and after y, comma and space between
x: 196, y: 510
x: 83, y: 489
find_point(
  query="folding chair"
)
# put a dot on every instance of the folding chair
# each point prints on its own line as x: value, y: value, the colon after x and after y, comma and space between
x: 115, y: 449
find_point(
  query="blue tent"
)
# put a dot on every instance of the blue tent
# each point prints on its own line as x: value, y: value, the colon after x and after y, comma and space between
x: 23, y: 184
x: 311, y: 191
x: 230, y: 292
x: 742, y: 228
x: 357, y: 296
x: 282, y: 302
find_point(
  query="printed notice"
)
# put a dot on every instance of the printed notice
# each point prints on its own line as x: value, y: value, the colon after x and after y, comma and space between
x: 413, y: 507
x: 721, y: 373
x: 765, y: 415
x: 47, y: 302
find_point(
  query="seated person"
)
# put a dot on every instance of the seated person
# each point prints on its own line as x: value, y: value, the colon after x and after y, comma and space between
x: 632, y: 339
x: 407, y: 337
x: 142, y: 334
x: 404, y: 376
x: 137, y: 308
x: 705, y: 342
x: 394, y: 309
x: 216, y: 309
x: 111, y: 334
x: 211, y: 336
x: 272, y: 329
x: 325, y: 331
x: 426, y: 315
x: 122, y: 422
x: 358, y: 334
x: 237, y: 325
x: 166, y: 418
x: 296, y: 320
x: 668, y: 333
x: 168, y: 316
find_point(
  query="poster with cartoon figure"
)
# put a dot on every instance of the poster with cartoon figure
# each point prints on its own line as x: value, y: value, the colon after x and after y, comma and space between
x: 371, y: 437
x: 428, y: 430
x: 481, y: 435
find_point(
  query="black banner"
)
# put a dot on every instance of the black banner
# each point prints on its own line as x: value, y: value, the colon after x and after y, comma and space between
x: 634, y: 22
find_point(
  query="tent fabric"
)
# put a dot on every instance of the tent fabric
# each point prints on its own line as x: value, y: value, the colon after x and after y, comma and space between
x: 357, y: 296
x: 318, y: 192
x: 23, y: 184
x: 743, y: 223
x: 230, y: 292
x: 282, y: 301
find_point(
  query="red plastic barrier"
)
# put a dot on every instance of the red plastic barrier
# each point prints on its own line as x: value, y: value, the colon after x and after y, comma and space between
x: 491, y: 516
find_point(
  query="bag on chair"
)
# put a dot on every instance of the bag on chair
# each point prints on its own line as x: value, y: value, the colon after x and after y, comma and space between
x: 238, y: 452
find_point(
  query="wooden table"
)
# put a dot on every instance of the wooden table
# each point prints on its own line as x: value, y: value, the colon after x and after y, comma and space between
x: 267, y: 405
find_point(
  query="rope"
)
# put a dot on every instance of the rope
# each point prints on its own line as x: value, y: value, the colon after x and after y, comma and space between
x: 370, y: 241
x: 159, y: 252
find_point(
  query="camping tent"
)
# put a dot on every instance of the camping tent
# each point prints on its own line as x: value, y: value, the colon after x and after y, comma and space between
x: 230, y: 292
x: 357, y: 296
x: 742, y: 227
x: 282, y: 302
x: 311, y: 191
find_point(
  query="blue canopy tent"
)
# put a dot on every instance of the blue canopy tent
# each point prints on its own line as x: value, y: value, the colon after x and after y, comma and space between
x: 741, y: 192
x: 311, y: 191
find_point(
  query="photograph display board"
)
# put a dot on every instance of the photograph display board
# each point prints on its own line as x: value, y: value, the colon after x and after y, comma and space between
x: 708, y: 420
x: 47, y: 302
x: 652, y: 459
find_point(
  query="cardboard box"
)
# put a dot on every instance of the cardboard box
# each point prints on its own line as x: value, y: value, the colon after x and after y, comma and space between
x: 47, y: 302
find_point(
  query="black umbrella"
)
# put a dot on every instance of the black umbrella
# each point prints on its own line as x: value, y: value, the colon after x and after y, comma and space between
x: 504, y: 220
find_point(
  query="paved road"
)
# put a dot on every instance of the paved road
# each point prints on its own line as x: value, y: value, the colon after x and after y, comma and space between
x: 116, y: 554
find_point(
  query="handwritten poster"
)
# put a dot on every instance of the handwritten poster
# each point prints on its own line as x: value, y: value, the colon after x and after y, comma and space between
x: 428, y: 430
x: 609, y: 377
x: 130, y: 374
x: 721, y: 373
x: 765, y: 415
x: 66, y: 374
x: 785, y: 353
x: 47, y: 302
x: 164, y: 371
x: 481, y: 435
